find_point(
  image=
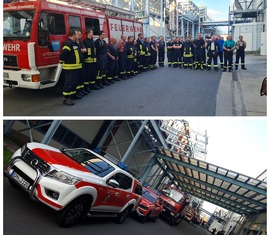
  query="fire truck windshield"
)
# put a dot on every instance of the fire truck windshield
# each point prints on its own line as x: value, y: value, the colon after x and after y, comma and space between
x: 149, y: 196
x: 17, y: 24
x: 172, y: 194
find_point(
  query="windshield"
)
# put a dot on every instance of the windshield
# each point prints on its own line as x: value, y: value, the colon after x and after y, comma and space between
x: 90, y: 161
x: 149, y: 196
x: 17, y: 24
x: 172, y: 194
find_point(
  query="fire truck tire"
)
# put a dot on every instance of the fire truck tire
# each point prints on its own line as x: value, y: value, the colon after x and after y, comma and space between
x: 121, y: 217
x: 74, y: 211
x: 144, y: 218
x: 172, y: 221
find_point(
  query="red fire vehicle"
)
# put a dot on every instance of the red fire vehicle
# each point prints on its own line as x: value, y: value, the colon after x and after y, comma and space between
x: 174, y: 203
x: 150, y: 206
x: 34, y: 31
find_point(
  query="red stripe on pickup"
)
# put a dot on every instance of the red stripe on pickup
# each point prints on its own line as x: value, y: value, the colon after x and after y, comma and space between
x: 41, y: 197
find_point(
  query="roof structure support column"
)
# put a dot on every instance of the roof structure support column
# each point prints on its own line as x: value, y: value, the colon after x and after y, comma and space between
x: 51, y: 131
x: 148, y: 170
x: 135, y: 139
x: 8, y: 125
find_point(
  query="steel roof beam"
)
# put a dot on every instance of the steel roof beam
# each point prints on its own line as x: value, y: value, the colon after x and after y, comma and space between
x: 218, y: 188
x: 215, y: 175
x: 238, y: 211
x: 194, y: 188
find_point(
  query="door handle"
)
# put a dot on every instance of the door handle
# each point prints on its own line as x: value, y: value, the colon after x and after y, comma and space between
x: 116, y: 194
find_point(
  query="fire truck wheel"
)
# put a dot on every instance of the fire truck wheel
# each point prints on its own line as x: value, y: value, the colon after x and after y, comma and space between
x: 172, y: 221
x: 121, y: 217
x: 73, y: 212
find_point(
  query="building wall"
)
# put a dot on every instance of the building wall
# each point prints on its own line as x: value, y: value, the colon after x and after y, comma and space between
x: 251, y: 33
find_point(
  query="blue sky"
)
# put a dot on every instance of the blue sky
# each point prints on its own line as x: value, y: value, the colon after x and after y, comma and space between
x: 217, y: 10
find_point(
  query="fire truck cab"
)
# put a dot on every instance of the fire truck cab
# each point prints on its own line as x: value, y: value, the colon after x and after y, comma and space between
x: 34, y: 31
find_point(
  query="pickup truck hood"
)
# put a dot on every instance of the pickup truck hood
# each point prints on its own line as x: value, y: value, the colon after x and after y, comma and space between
x: 54, y: 156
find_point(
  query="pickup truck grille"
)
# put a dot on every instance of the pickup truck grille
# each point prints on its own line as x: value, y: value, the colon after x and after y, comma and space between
x: 36, y: 162
x: 169, y: 206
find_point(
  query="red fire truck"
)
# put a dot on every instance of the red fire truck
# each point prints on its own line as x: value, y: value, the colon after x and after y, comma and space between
x: 34, y: 31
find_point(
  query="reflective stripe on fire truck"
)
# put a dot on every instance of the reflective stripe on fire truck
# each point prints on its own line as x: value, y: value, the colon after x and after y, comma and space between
x: 31, y: 55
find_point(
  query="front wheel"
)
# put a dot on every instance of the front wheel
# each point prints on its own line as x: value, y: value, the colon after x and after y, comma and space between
x: 72, y: 212
x: 121, y: 217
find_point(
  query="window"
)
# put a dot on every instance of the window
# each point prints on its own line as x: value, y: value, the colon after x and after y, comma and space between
x: 18, y: 24
x: 138, y: 189
x: 92, y: 24
x: 90, y: 161
x: 124, y: 181
x: 57, y: 24
x: 75, y: 23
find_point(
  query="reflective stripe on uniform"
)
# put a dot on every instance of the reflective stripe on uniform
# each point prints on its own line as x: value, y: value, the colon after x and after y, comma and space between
x: 72, y: 66
x: 66, y: 48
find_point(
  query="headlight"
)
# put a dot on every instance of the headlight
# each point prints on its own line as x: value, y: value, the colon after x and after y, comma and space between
x: 63, y: 177
x: 26, y: 77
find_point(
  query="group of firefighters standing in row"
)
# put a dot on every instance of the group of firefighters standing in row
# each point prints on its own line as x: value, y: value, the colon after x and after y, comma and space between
x: 92, y: 64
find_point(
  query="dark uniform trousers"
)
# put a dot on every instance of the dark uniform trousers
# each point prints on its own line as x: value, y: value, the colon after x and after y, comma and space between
x: 199, y: 56
x: 91, y: 73
x: 153, y: 59
x: 122, y: 63
x: 161, y: 57
x: 177, y: 62
x: 240, y: 53
x: 71, y: 79
x: 102, y: 67
x: 170, y: 57
x: 220, y: 55
x: 228, y: 60
x: 212, y: 55
x: 112, y: 69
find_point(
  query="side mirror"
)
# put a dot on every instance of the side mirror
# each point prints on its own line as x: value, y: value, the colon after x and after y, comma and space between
x: 113, y: 183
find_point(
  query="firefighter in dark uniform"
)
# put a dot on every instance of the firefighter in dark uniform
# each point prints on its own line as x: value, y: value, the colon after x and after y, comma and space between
x: 122, y: 57
x: 193, y: 51
x: 90, y: 61
x: 161, y: 51
x: 187, y: 48
x: 136, y: 56
x: 170, y: 52
x: 176, y: 53
x: 146, y: 65
x: 101, y: 49
x: 240, y: 53
x: 141, y: 52
x: 220, y: 42
x: 228, y: 48
x: 199, y: 51
x: 71, y: 64
x: 181, y: 63
x: 112, y: 66
x: 80, y: 91
x: 212, y: 53
x: 130, y: 56
x: 154, y: 52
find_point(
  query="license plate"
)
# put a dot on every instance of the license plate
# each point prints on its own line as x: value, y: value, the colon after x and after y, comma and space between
x: 6, y: 75
x: 20, y: 180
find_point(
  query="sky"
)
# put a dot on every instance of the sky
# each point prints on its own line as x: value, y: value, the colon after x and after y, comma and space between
x: 238, y: 144
x: 216, y: 10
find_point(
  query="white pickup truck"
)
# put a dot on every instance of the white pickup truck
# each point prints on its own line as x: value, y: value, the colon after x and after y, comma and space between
x: 75, y: 182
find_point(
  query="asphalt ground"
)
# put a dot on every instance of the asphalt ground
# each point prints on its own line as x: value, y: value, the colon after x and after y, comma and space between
x: 25, y: 217
x: 161, y: 92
